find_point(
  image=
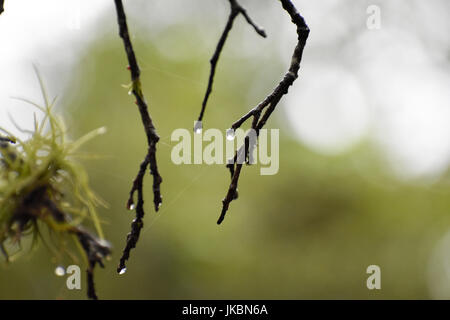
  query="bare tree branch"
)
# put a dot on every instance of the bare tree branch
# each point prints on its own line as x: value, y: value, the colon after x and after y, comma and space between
x: 268, y: 105
x: 236, y: 9
x: 152, y: 139
x: 1, y: 6
x: 95, y: 251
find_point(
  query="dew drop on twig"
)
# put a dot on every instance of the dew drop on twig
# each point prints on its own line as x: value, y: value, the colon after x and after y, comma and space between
x: 60, y: 271
x: 102, y: 130
x: 122, y: 271
x: 198, y: 126
x: 230, y: 134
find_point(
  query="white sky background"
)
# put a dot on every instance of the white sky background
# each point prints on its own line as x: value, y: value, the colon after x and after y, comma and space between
x: 390, y: 85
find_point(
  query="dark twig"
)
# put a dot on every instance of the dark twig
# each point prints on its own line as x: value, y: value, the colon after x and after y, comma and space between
x: 96, y: 250
x: 1, y: 6
x: 152, y: 139
x: 232, y: 191
x: 137, y: 224
x: 268, y: 105
x: 236, y: 9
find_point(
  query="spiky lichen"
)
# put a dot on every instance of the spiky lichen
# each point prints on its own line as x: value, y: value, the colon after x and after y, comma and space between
x: 42, y: 185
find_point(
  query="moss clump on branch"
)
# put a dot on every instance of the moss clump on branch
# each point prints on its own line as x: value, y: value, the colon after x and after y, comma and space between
x: 42, y: 186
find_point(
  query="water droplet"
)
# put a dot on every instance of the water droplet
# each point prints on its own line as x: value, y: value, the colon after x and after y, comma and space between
x: 230, y: 134
x: 60, y: 271
x: 122, y: 271
x: 131, y: 207
x: 198, y: 126
x: 104, y: 243
x: 130, y: 92
x: 102, y: 130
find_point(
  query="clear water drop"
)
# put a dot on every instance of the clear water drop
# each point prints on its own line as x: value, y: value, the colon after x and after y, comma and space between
x: 131, y: 207
x: 60, y: 271
x: 198, y: 126
x: 102, y: 130
x: 122, y: 271
x: 104, y: 243
x: 230, y: 134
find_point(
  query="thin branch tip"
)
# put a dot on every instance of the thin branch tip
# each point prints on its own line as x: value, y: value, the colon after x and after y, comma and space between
x: 235, y: 10
x: 268, y: 105
x: 152, y: 140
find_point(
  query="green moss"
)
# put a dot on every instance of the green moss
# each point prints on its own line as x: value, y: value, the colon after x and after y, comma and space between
x: 41, y: 184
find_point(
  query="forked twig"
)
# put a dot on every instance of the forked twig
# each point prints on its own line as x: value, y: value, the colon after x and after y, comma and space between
x: 152, y: 139
x: 236, y: 9
x: 268, y: 105
x: 95, y: 251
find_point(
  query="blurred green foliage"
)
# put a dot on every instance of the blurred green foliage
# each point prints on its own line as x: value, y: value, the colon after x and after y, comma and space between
x: 308, y: 232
